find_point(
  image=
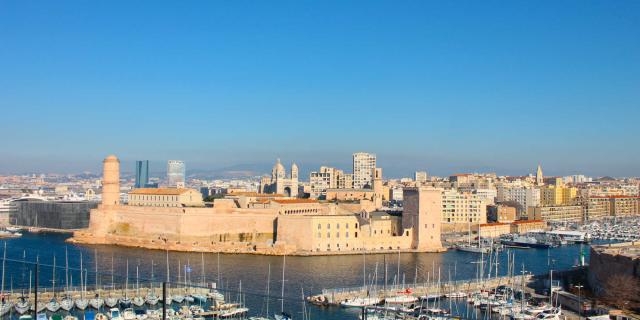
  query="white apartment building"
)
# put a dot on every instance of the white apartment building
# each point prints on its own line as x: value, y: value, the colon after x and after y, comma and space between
x: 420, y: 176
x: 363, y: 166
x: 326, y: 178
x: 463, y: 207
x: 489, y: 195
x: 525, y: 196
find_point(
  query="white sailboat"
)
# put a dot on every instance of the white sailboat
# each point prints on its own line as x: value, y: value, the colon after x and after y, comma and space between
x: 283, y: 315
x: 5, y: 305
x: 138, y: 300
x: 178, y: 298
x: 53, y: 305
x: 82, y: 302
x: 66, y: 303
x: 151, y: 298
x: 125, y: 301
x: 471, y: 248
x: 96, y: 302
x: 111, y: 301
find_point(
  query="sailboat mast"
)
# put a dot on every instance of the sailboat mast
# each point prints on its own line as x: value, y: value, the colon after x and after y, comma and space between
x: 81, y: 277
x: 268, y: 283
x: 284, y: 263
x: 66, y: 267
x: 95, y: 257
x: 4, y: 259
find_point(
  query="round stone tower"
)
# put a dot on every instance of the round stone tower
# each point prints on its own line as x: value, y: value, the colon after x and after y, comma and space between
x: 111, y: 181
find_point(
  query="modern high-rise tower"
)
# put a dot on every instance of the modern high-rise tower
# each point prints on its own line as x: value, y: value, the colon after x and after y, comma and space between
x: 142, y: 173
x: 175, y: 172
x: 364, y: 165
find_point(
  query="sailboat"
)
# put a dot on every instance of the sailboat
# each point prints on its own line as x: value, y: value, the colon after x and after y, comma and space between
x: 168, y: 299
x: 471, y: 248
x: 66, y: 303
x: 82, y: 302
x: 125, y: 301
x: 201, y: 298
x: 22, y: 305
x: 53, y: 305
x: 151, y: 298
x: 111, y: 301
x: 283, y: 315
x: 178, y: 298
x: 138, y: 300
x: 5, y: 305
x: 96, y: 302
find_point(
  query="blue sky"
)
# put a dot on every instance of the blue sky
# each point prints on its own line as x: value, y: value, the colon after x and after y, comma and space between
x: 442, y: 86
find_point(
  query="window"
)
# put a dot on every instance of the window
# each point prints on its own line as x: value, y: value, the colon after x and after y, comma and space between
x: 319, y: 226
x: 328, y: 234
x: 337, y: 234
x: 347, y: 234
x: 328, y: 226
x: 337, y: 226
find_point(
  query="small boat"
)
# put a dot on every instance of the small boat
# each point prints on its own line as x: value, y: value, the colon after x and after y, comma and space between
x: 215, y: 295
x: 5, y: 308
x: 55, y: 317
x: 151, y: 298
x: 360, y: 302
x: 401, y: 299
x: 41, y: 306
x: 66, y: 303
x: 456, y: 295
x: 97, y: 302
x: 111, y: 302
x: 41, y: 316
x: 89, y: 315
x: 13, y: 228
x: 82, y: 303
x: 200, y: 298
x: 22, y: 306
x: 114, y: 314
x: 137, y: 301
x: 25, y: 317
x: 128, y: 314
x: 53, y: 306
x: 178, y: 298
x: 70, y: 317
x: 101, y: 316
x: 125, y: 302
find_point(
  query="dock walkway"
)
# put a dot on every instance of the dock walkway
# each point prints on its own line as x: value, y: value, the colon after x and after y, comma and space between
x: 336, y: 295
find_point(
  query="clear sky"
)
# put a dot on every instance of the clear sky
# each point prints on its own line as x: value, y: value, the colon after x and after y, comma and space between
x: 442, y: 86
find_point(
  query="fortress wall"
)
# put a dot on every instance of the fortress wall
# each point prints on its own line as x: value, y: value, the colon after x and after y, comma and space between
x: 183, y: 225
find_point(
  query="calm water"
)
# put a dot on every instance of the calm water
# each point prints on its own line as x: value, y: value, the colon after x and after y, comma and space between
x: 309, y: 273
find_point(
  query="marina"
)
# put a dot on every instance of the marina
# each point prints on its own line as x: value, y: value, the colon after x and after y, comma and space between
x: 242, y: 279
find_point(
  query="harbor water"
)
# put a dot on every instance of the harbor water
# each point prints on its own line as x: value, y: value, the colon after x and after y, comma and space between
x: 248, y: 273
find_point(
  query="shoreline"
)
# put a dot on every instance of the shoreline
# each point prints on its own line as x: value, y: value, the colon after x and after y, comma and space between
x: 244, y: 248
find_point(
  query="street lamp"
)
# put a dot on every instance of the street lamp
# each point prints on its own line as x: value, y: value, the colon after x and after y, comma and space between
x: 579, y: 301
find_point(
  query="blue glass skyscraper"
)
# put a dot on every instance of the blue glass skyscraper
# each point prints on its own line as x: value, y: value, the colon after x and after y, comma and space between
x: 142, y: 173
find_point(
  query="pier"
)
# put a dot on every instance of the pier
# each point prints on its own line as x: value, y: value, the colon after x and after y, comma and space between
x: 336, y: 295
x: 46, y: 294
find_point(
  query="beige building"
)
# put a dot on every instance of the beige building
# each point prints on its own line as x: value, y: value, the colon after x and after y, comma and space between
x: 493, y: 230
x: 624, y: 205
x: 523, y: 226
x: 165, y: 197
x: 597, y: 207
x: 463, y: 208
x: 556, y: 213
x: 501, y: 213
x: 326, y: 178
